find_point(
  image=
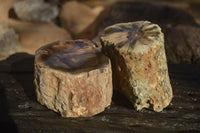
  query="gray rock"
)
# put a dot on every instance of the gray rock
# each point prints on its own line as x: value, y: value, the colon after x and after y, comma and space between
x: 9, y: 41
x: 35, y: 11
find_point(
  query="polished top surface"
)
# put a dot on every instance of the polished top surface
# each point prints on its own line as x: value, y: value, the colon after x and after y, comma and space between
x: 73, y: 56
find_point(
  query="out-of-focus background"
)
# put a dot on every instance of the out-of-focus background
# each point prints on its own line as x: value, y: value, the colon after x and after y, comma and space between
x: 26, y: 25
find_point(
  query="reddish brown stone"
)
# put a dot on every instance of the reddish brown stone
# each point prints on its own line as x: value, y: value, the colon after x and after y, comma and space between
x: 139, y: 63
x: 73, y: 78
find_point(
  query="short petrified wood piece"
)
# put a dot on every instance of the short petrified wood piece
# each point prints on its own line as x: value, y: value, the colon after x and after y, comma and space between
x: 73, y: 78
x: 139, y: 65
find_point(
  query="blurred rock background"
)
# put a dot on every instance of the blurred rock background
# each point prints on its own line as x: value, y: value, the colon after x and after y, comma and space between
x: 40, y: 22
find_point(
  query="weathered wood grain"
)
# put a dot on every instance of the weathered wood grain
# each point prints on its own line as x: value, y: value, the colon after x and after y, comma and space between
x: 21, y: 112
x: 73, y: 78
x: 139, y: 64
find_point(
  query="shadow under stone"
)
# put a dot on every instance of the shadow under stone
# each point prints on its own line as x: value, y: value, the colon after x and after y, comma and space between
x: 120, y: 100
x: 23, y: 71
x: 21, y: 67
x: 6, y: 122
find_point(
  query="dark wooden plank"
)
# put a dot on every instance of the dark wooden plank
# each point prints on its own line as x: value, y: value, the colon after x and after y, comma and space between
x: 21, y: 112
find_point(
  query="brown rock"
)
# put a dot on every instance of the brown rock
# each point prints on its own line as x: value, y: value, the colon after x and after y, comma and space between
x: 73, y: 78
x: 139, y: 63
x: 183, y: 44
x: 75, y: 16
x: 156, y: 12
x: 33, y: 36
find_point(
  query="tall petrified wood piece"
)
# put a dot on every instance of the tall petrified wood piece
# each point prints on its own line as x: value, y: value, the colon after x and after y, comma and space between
x: 139, y: 63
x: 73, y: 78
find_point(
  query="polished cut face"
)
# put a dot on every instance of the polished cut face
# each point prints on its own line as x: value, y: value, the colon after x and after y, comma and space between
x: 73, y: 56
x: 126, y: 35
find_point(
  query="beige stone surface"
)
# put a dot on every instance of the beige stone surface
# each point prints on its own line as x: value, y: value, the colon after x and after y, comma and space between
x: 73, y: 78
x: 139, y: 64
x: 76, y: 17
x: 5, y: 6
x: 34, y: 35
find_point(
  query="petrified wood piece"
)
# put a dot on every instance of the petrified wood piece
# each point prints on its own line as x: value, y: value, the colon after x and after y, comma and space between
x: 139, y: 64
x: 73, y: 78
